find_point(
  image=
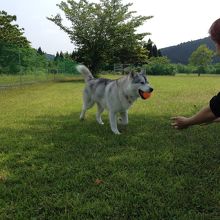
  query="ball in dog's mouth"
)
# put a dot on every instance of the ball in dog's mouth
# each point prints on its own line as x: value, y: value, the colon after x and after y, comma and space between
x: 144, y: 95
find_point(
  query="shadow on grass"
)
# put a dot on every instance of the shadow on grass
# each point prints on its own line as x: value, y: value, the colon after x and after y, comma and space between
x: 49, y: 170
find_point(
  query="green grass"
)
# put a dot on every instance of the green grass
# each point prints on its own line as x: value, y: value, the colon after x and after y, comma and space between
x: 49, y: 160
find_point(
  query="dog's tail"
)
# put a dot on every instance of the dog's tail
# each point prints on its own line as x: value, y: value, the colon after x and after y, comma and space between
x: 85, y: 72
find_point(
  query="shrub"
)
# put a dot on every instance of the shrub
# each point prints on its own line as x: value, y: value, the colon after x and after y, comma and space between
x: 160, y: 66
x: 217, y: 68
x: 181, y: 68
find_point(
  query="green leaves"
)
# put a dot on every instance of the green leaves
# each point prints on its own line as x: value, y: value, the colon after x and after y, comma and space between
x: 11, y: 33
x: 102, y: 31
x: 202, y: 56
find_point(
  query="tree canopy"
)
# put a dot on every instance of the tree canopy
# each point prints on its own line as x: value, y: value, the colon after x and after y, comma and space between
x: 201, y: 57
x: 18, y: 57
x: 104, y: 32
x: 152, y: 49
x: 11, y: 33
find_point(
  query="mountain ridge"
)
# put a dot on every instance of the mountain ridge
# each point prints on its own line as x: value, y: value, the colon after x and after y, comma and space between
x: 180, y: 53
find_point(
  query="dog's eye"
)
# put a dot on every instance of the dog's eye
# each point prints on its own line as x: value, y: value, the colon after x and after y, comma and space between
x: 142, y: 83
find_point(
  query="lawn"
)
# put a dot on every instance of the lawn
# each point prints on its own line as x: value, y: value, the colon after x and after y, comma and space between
x: 53, y: 166
x: 7, y: 80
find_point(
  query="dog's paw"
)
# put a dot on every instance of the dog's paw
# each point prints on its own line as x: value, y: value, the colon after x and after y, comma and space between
x: 116, y: 132
x: 99, y: 120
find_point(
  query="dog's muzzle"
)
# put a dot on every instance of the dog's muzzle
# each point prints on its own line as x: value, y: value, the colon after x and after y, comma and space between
x: 144, y: 94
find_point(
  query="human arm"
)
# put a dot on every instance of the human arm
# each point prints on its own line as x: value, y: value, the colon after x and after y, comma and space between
x: 205, y: 115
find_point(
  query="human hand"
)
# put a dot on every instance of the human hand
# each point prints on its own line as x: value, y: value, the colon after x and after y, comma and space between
x: 179, y: 122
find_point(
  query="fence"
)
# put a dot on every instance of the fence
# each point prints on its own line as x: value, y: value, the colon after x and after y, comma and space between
x: 8, y: 80
x: 122, y: 68
x: 20, y: 66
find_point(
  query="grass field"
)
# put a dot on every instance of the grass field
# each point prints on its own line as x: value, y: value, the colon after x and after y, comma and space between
x: 53, y: 166
x: 24, y: 79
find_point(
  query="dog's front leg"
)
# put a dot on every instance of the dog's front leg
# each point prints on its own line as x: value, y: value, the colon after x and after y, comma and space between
x: 113, y: 122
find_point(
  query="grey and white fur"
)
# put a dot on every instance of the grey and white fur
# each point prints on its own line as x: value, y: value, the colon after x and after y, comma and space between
x: 114, y: 95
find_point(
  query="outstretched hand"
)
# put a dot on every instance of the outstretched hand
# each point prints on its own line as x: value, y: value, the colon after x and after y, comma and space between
x: 179, y: 122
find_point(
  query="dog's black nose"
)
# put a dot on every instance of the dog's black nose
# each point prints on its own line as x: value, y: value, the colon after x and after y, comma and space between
x: 151, y: 89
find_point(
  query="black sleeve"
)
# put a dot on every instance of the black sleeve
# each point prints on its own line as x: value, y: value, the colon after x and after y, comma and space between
x: 215, y: 105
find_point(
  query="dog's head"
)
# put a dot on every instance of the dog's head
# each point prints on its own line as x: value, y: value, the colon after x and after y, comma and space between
x: 139, y: 83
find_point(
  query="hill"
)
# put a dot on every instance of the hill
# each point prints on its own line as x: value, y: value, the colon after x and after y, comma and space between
x: 181, y: 52
x: 49, y: 56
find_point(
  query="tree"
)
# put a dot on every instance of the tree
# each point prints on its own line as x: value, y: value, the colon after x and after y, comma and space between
x: 39, y: 51
x: 148, y: 46
x: 74, y: 55
x: 11, y: 43
x: 11, y: 33
x: 101, y: 31
x: 201, y: 57
x: 57, y: 57
x: 16, y: 54
x: 152, y: 49
x: 61, y: 55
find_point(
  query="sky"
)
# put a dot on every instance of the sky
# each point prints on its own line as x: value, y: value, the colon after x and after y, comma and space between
x: 174, y: 21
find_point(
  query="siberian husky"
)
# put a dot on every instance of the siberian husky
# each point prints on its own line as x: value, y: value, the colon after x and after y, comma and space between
x: 114, y: 95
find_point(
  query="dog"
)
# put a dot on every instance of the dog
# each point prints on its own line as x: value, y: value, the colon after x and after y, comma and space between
x: 116, y: 96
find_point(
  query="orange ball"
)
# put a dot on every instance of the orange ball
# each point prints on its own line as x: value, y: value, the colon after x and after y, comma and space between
x: 146, y: 95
